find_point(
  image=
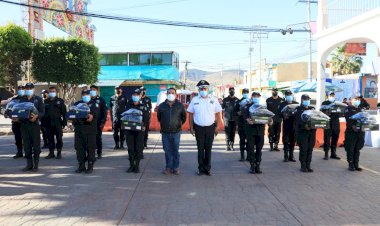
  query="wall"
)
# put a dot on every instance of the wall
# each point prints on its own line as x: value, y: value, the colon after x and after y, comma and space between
x: 294, y: 71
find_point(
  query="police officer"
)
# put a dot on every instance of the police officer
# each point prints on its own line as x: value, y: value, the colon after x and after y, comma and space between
x: 288, y: 129
x: 85, y: 135
x: 44, y: 122
x: 241, y: 125
x: 55, y: 114
x: 148, y: 102
x: 118, y: 103
x: 101, y: 119
x: 364, y: 105
x: 16, y: 125
x: 30, y: 129
x: 354, y: 136
x: 205, y: 114
x: 331, y: 135
x: 305, y: 135
x: 274, y: 131
x: 135, y: 139
x: 255, y: 136
x: 230, y: 116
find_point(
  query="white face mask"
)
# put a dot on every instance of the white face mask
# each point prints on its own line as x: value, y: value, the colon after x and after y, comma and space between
x: 331, y: 99
x: 171, y: 97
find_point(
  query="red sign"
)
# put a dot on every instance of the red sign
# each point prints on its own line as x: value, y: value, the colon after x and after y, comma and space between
x: 356, y: 49
x: 162, y: 87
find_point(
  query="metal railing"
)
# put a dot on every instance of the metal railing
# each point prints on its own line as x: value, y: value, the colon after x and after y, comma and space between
x: 339, y: 11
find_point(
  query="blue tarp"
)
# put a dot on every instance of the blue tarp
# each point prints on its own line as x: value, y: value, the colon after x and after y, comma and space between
x: 138, y: 73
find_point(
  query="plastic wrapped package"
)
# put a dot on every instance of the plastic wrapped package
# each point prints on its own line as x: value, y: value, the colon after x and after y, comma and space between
x: 8, y: 108
x: 289, y: 110
x: 79, y: 111
x: 336, y: 107
x: 366, y: 121
x: 132, y: 120
x: 260, y: 114
x: 316, y: 119
x: 243, y: 103
x: 23, y: 110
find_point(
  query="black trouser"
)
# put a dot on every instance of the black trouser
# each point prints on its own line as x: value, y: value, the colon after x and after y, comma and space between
x: 16, y: 129
x: 146, y: 133
x: 289, y: 140
x: 135, y: 143
x: 31, y: 139
x: 45, y: 135
x: 354, y: 142
x: 255, y: 145
x: 243, y: 140
x: 205, y: 138
x: 230, y: 129
x: 274, y: 132
x: 55, y: 132
x: 306, y: 142
x: 85, y: 145
x: 330, y: 139
x: 99, y: 142
x: 118, y: 133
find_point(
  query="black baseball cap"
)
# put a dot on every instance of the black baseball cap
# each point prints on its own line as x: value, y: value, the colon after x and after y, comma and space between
x: 20, y: 87
x: 256, y: 94
x: 29, y: 85
x: 245, y: 90
x: 231, y: 88
x: 305, y: 97
x: 288, y: 93
x: 137, y: 91
x: 86, y: 92
x: 142, y: 88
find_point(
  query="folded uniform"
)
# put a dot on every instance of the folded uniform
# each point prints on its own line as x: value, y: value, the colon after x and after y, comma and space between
x: 366, y: 121
x: 8, y: 108
x: 260, y: 114
x: 316, y: 119
x: 289, y: 110
x: 79, y: 111
x: 132, y: 120
x: 335, y: 107
x: 23, y: 110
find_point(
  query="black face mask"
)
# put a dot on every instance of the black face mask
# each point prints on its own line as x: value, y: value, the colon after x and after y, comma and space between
x: 118, y: 92
x: 232, y: 93
x: 274, y: 94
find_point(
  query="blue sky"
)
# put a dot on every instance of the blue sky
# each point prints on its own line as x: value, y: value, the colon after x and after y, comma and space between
x: 206, y: 49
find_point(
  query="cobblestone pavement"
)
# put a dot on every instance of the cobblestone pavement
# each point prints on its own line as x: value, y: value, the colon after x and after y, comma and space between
x: 280, y: 196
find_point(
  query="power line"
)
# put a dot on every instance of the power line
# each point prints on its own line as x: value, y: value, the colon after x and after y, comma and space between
x: 157, y: 21
x: 142, y: 5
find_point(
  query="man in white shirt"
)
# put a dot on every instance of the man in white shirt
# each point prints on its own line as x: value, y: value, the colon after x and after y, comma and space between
x: 205, y: 114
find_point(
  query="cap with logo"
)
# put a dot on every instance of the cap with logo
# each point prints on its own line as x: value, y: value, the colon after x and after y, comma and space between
x: 288, y: 93
x: 305, y: 97
x: 203, y: 83
x: 142, y: 88
x: 29, y: 85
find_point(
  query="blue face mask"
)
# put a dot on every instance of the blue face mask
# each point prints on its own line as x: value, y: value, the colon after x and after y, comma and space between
x: 21, y: 92
x: 356, y: 103
x: 203, y: 93
x: 86, y: 98
x: 29, y: 92
x: 93, y: 93
x: 306, y: 103
x: 245, y: 95
x: 289, y: 99
x: 52, y: 94
x: 331, y: 99
x: 255, y: 100
x: 135, y: 98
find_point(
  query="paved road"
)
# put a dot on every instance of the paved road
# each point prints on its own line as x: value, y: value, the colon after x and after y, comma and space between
x: 281, y: 196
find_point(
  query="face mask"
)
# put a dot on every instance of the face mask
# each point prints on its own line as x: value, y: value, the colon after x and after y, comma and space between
x: 21, y: 92
x: 245, y: 95
x: 118, y: 92
x: 52, y: 94
x: 289, y: 99
x: 255, y: 100
x: 356, y: 103
x: 93, y: 93
x: 86, y: 98
x: 331, y: 99
x: 135, y: 98
x: 29, y: 92
x: 203, y: 93
x: 232, y: 93
x: 306, y: 103
x: 274, y: 94
x: 171, y: 97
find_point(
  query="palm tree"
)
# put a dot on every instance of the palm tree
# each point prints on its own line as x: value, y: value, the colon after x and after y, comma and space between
x: 343, y: 64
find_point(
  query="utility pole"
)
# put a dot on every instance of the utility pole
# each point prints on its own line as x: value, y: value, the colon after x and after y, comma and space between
x: 185, y: 73
x: 249, y: 77
x: 310, y: 66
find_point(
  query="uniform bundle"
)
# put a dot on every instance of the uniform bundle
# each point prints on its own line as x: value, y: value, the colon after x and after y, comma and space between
x: 316, y: 119
x: 79, y: 111
x: 132, y: 115
x: 8, y: 108
x: 243, y: 103
x: 335, y: 107
x: 23, y: 110
x: 260, y: 114
x: 289, y: 110
x: 364, y: 118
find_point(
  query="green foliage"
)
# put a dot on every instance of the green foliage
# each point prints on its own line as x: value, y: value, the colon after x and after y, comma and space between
x: 343, y: 64
x: 15, y: 49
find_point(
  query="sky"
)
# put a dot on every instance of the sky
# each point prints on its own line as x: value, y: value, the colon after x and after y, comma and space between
x: 209, y: 50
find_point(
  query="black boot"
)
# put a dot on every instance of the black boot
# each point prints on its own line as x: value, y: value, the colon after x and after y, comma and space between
x: 18, y: 154
x: 99, y: 155
x: 308, y: 167
x: 357, y: 168
x: 116, y: 147
x: 90, y: 167
x: 252, y: 169
x: 29, y: 165
x: 137, y: 167
x: 59, y: 156
x: 270, y: 146
x: 351, y: 166
x: 81, y: 168
x: 232, y: 146
x: 291, y: 156
x: 326, y: 155
x: 130, y: 169
x: 286, y: 156
x: 241, y: 156
x: 257, y: 168
x: 122, y: 145
x: 36, y: 160
x: 334, y: 155
x: 275, y: 148
x: 50, y: 155
x: 228, y: 148
x: 303, y: 167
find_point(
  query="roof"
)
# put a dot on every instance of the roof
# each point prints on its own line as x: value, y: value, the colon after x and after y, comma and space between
x: 156, y: 72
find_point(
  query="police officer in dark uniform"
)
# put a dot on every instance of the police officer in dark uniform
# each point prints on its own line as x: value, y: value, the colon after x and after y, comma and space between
x: 288, y: 129
x: 230, y: 116
x: 55, y: 114
x: 148, y: 102
x: 364, y: 105
x: 354, y: 136
x: 255, y: 136
x: 85, y: 135
x: 331, y: 135
x: 101, y: 118
x: 274, y: 131
x: 241, y: 125
x: 16, y: 125
x: 44, y: 122
x: 305, y: 135
x: 30, y: 129
x: 118, y: 103
x: 135, y: 139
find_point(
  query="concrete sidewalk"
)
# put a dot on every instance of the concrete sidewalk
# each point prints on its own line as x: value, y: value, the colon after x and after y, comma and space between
x: 280, y: 196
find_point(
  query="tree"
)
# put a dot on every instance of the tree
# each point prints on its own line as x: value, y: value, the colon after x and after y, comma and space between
x: 68, y: 63
x: 344, y: 64
x: 15, y: 49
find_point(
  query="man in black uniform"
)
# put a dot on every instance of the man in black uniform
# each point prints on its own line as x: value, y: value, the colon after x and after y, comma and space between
x: 273, y: 105
x: 30, y: 129
x: 85, y: 135
x: 148, y: 102
x: 44, y: 122
x: 305, y: 135
x: 118, y: 103
x: 101, y: 119
x: 331, y: 135
x: 230, y: 115
x: 364, y: 105
x: 135, y: 139
x: 16, y: 125
x: 55, y: 114
x: 354, y: 136
x: 241, y: 125
x: 288, y: 129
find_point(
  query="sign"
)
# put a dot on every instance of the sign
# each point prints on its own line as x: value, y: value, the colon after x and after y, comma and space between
x: 356, y: 49
x: 162, y: 87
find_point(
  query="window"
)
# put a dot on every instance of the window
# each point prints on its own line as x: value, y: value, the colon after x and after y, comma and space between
x: 133, y: 59
x: 113, y: 59
x: 162, y: 59
x: 144, y: 59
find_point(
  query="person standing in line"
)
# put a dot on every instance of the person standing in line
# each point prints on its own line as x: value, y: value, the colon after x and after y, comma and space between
x: 172, y: 115
x: 230, y: 117
x: 118, y: 103
x: 274, y: 131
x: 44, y: 122
x: 148, y: 102
x: 288, y: 129
x: 241, y: 125
x: 205, y: 114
